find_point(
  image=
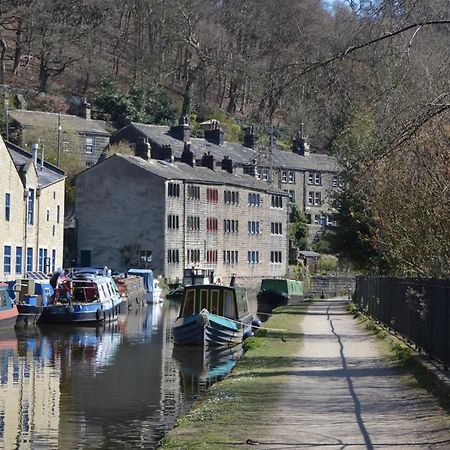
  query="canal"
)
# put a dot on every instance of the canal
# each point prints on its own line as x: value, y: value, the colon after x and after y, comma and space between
x: 113, y: 387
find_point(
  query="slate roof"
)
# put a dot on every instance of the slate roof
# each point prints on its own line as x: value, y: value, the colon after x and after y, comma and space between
x: 238, y: 152
x: 182, y: 171
x: 30, y: 119
x: 49, y: 174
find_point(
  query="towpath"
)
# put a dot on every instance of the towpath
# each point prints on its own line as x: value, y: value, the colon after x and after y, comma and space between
x: 343, y: 393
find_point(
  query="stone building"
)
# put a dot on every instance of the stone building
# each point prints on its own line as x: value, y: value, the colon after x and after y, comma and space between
x: 308, y: 178
x: 31, y: 215
x: 79, y: 137
x: 169, y: 216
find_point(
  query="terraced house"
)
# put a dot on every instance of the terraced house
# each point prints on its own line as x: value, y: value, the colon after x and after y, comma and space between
x: 308, y: 178
x: 31, y: 215
x: 170, y: 216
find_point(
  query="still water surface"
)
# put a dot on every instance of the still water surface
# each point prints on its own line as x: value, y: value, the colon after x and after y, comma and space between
x: 113, y: 387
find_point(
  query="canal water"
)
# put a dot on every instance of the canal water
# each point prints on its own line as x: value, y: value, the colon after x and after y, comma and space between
x: 113, y: 387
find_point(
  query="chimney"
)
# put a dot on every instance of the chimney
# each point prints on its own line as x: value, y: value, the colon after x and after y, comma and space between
x: 251, y: 168
x: 142, y: 148
x: 42, y: 155
x: 249, y: 137
x: 227, y: 164
x: 187, y: 156
x: 299, y: 143
x: 214, y: 134
x: 182, y: 131
x: 34, y: 153
x: 86, y: 109
x: 208, y: 161
x: 166, y: 153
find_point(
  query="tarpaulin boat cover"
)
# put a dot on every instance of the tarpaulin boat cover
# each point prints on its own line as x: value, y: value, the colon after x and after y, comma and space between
x: 146, y: 274
x: 290, y: 287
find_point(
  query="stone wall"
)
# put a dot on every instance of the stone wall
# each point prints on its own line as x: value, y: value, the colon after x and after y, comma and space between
x: 331, y: 286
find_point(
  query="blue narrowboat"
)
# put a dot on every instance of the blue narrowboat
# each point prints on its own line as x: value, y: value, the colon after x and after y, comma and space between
x: 8, y: 310
x: 92, y: 299
x: 213, y: 315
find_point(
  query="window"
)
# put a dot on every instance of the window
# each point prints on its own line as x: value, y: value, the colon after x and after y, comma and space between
x: 173, y: 256
x: 193, y: 223
x: 253, y: 257
x: 253, y: 227
x: 53, y: 260
x: 314, y: 198
x: 212, y: 195
x: 230, y: 256
x: 211, y: 224
x: 315, y: 178
x: 193, y: 255
x: 7, y: 260
x: 18, y: 260
x: 47, y: 215
x: 231, y: 197
x: 43, y: 260
x: 284, y: 176
x: 173, y: 222
x: 173, y: 189
x: 193, y: 192
x: 29, y: 259
x: 291, y: 196
x: 265, y: 174
x: 145, y: 258
x: 254, y: 199
x: 53, y: 230
x: 7, y: 207
x: 230, y: 226
x: 276, y: 228
x: 275, y: 257
x: 211, y: 256
x: 31, y: 207
x: 277, y: 201
x: 291, y: 176
x: 89, y: 144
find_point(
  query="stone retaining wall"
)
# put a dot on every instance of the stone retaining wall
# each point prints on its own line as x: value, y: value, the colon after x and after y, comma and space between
x: 330, y: 286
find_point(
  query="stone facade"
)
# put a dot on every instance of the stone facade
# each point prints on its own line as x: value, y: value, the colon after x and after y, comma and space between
x: 31, y: 215
x: 308, y: 178
x: 168, y: 217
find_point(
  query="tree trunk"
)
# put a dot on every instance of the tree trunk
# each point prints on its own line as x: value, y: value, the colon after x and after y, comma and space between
x: 2, y: 60
x: 18, y: 48
x: 44, y: 74
x: 187, y: 96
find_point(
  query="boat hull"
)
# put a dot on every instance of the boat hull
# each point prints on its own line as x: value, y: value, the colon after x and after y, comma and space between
x: 29, y: 313
x: 8, y: 317
x: 80, y: 313
x: 209, y: 330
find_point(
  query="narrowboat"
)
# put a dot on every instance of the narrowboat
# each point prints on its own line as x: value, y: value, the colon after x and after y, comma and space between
x: 87, y: 298
x: 151, y: 284
x: 213, y: 315
x: 8, y: 310
x: 279, y: 291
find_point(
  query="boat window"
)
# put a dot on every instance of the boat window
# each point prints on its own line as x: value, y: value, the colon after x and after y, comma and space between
x: 215, y: 302
x: 229, y: 308
x: 189, y: 301
x: 3, y: 301
x: 204, y: 299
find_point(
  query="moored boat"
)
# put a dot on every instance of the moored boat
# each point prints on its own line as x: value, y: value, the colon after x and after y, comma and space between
x: 8, y: 310
x: 93, y: 298
x: 151, y: 284
x: 279, y: 291
x: 213, y: 315
x: 192, y: 276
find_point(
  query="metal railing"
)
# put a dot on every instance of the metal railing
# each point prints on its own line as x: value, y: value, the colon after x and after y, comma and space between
x: 418, y: 309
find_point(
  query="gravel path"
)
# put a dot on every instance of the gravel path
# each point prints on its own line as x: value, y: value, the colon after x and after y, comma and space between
x: 343, y: 394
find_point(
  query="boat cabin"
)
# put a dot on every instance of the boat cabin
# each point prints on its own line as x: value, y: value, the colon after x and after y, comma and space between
x: 222, y: 301
x: 197, y: 276
x: 92, y: 290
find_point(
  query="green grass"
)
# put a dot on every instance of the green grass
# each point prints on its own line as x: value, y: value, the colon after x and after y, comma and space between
x: 224, y: 418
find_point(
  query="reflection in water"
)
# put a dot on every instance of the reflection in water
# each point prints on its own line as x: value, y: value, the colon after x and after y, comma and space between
x: 121, y: 385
